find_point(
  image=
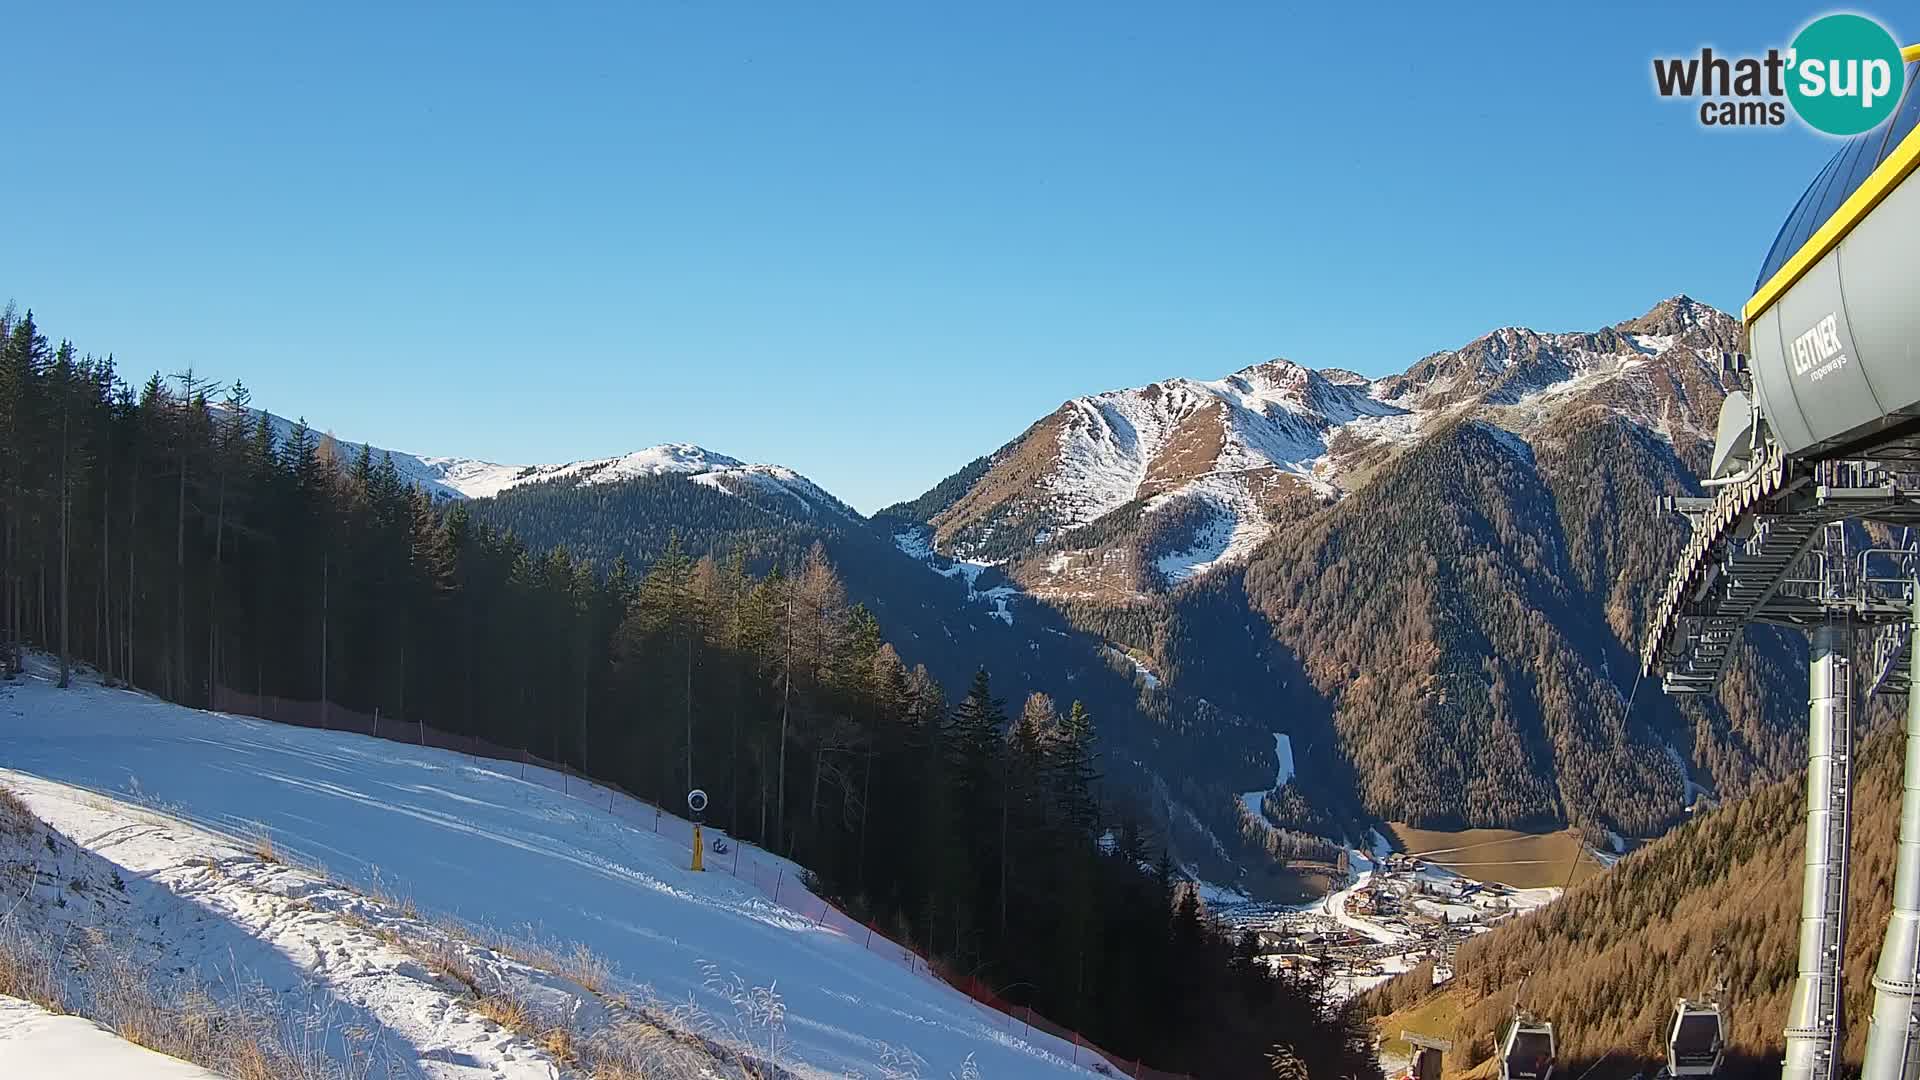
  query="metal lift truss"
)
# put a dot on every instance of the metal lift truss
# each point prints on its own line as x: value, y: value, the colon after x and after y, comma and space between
x: 1756, y: 556
x: 1772, y: 546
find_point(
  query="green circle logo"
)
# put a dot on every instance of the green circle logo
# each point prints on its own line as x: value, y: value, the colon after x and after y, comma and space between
x: 1845, y: 74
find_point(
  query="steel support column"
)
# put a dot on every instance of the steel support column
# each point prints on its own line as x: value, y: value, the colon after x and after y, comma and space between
x: 1815, y: 1024
x: 1893, y: 1038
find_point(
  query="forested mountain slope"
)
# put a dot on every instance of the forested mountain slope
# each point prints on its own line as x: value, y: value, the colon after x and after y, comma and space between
x: 1716, y: 898
x: 1433, y: 581
x: 1179, y: 761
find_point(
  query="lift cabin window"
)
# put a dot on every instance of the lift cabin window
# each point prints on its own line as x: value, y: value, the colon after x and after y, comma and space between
x: 1531, y: 1056
x: 1696, y: 1042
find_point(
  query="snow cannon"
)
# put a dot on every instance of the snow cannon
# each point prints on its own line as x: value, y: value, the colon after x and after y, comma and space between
x: 1696, y: 1039
x: 1527, y: 1052
x: 697, y: 804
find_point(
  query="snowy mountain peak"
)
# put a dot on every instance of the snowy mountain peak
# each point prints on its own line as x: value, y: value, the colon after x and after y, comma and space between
x: 1205, y: 466
x: 468, y: 478
x: 473, y: 478
x: 676, y: 457
x: 480, y: 479
x: 1677, y: 315
x: 1343, y: 377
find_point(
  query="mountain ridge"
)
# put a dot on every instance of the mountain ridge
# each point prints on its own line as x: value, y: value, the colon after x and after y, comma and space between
x: 453, y: 477
x: 1209, y: 465
x: 1153, y: 531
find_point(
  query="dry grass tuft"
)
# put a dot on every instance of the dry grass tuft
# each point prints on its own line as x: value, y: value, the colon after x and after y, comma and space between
x: 445, y: 958
x: 558, y: 1042
x: 15, y: 818
x: 575, y: 962
x: 585, y: 967
x: 27, y: 970
x: 507, y: 1010
x: 261, y: 844
x: 637, y: 1049
x: 516, y: 1014
x: 378, y: 890
x: 242, y: 1036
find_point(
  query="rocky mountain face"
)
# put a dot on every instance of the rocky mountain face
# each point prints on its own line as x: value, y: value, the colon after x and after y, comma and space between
x: 1140, y: 490
x: 1433, y: 581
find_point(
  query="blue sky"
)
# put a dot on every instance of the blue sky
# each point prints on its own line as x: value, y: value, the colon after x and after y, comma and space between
x: 870, y: 241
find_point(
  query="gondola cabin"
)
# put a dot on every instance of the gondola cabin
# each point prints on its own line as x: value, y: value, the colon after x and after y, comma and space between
x: 1527, y: 1053
x: 1696, y: 1040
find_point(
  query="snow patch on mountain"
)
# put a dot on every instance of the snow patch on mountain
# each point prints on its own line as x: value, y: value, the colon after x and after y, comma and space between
x: 1282, y: 759
x: 1282, y: 772
x: 1692, y: 794
x: 1513, y: 443
x: 1234, y: 530
x: 1267, y: 419
x: 1145, y: 673
x: 918, y: 544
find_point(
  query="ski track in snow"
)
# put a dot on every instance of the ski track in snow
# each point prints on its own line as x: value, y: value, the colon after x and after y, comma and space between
x: 1283, y: 772
x: 477, y: 842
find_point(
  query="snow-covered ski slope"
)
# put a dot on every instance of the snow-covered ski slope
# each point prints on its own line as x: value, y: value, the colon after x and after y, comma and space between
x: 35, y: 1042
x: 474, y: 840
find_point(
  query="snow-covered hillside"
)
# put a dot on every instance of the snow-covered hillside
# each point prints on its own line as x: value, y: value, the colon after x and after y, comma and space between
x: 482, y: 844
x: 1211, y: 459
x: 472, y: 478
x: 1186, y: 435
x: 35, y: 1042
x: 478, y: 479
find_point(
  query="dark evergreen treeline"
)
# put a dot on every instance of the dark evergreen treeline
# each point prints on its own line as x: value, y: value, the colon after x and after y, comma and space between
x: 1156, y: 745
x: 636, y: 518
x: 176, y: 543
x: 941, y: 495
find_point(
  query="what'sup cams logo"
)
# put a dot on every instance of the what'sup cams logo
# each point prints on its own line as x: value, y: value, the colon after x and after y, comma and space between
x: 1842, y: 75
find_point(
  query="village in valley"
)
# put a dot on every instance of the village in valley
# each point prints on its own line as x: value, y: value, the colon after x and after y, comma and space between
x: 1399, y: 910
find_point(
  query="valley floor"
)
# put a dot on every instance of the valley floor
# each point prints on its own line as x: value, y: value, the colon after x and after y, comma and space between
x: 1521, y: 859
x: 294, y: 860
